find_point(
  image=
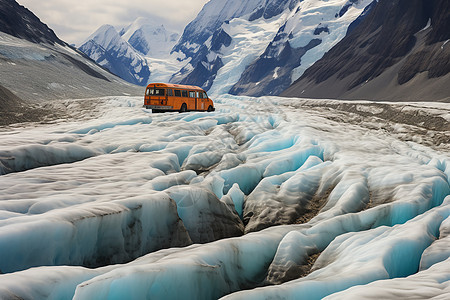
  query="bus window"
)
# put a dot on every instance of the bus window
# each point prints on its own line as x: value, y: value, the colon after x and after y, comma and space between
x: 196, y: 94
x: 147, y: 92
x: 205, y: 96
x: 191, y: 94
x: 177, y: 93
x: 169, y: 92
x: 184, y: 93
x: 156, y: 92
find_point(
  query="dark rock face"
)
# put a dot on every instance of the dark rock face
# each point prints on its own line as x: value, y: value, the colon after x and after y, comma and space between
x: 432, y: 58
x: 391, y: 34
x: 319, y: 30
x: 274, y: 8
x: 220, y: 38
x: 258, y: 13
x: 19, y: 22
x: 345, y: 8
x: 358, y: 20
x: 270, y: 74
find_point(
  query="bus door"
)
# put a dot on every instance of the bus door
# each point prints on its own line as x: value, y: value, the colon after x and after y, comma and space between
x: 193, y: 99
x: 201, y: 100
x: 197, y: 105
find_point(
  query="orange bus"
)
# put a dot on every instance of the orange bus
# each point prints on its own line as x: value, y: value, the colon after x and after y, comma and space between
x: 162, y: 97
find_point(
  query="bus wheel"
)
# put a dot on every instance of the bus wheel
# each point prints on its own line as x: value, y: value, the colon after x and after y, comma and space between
x: 183, y: 108
x: 210, y: 108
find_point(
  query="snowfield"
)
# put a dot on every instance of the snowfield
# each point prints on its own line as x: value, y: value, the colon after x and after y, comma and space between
x: 266, y: 198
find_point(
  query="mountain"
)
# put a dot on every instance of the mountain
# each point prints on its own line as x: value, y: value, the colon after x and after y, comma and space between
x: 307, y: 34
x: 129, y: 52
x: 210, y: 19
x: 110, y: 50
x: 36, y: 66
x: 210, y: 33
x: 260, y: 47
x: 400, y: 51
x: 149, y: 38
x: 19, y: 22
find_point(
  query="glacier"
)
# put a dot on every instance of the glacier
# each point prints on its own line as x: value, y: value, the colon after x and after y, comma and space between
x: 251, y: 47
x: 259, y: 47
x: 264, y: 198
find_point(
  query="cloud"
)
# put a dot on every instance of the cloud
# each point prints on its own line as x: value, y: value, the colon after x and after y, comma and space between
x: 74, y: 21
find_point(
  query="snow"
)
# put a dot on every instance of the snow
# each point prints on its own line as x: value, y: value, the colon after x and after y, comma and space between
x: 145, y: 43
x: 429, y: 284
x: 426, y: 26
x: 295, y: 22
x: 159, y: 40
x: 312, y: 14
x: 249, y: 40
x: 237, y: 203
x: 215, y: 12
x: 163, y: 68
x: 359, y: 258
x: 275, y: 72
x: 106, y: 42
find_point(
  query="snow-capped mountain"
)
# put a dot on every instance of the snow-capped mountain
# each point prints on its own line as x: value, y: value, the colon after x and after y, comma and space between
x: 134, y: 50
x: 210, y: 19
x: 258, y: 47
x: 109, y: 49
x: 148, y: 38
x: 37, y: 67
x: 401, y: 51
x: 308, y: 33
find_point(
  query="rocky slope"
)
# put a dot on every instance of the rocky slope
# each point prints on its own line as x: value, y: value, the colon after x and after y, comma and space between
x: 259, y: 47
x: 36, y: 66
x: 399, y: 52
x: 135, y: 52
x: 19, y: 22
x: 110, y: 50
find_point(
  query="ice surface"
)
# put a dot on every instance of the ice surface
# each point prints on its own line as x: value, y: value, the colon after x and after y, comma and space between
x: 359, y: 258
x: 362, y: 211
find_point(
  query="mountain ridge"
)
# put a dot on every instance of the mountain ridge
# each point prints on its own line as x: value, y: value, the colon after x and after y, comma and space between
x: 386, y: 56
x: 18, y: 21
x: 270, y: 68
x: 38, y: 67
x: 129, y: 52
x: 107, y: 47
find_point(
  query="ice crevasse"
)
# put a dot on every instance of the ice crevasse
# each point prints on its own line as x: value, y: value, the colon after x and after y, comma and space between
x: 234, y: 204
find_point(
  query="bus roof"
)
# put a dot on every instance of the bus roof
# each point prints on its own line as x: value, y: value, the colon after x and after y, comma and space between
x: 175, y: 86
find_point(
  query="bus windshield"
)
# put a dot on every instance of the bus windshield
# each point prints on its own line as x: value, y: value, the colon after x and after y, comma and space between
x: 155, y: 92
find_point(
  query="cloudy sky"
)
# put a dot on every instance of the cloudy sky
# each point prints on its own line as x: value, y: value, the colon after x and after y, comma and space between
x: 73, y: 21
